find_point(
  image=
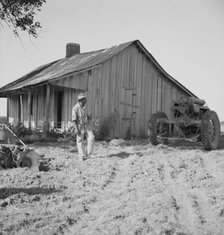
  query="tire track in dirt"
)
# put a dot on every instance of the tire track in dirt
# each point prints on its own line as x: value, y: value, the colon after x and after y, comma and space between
x: 172, y: 199
x: 119, y: 200
x: 189, y: 188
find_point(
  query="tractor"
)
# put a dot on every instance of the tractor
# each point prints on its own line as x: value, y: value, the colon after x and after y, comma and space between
x: 191, y: 120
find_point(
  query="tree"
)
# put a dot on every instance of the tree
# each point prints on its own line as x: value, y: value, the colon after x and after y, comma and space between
x: 20, y: 14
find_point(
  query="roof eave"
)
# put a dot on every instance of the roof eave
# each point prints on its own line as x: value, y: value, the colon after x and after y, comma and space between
x: 7, y: 88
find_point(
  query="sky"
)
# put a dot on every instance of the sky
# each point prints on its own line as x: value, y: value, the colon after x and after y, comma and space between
x: 186, y: 37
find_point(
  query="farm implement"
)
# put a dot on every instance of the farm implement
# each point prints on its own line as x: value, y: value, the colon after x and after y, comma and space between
x: 12, y: 156
x: 191, y: 120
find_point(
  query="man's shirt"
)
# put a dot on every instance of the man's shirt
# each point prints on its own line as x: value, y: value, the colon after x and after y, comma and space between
x: 79, y: 115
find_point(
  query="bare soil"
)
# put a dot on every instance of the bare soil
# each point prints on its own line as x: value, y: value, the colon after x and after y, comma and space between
x: 126, y: 187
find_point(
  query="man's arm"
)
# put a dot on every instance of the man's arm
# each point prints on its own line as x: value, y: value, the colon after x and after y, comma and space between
x: 76, y: 129
x: 75, y: 121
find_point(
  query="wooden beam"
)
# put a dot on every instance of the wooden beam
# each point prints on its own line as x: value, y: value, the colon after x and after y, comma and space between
x: 131, y: 105
x: 23, y: 92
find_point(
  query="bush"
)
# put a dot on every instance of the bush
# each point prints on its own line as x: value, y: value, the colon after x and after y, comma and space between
x: 128, y: 135
x: 20, y: 130
x: 106, y: 126
x: 104, y: 131
x: 41, y: 137
x: 30, y: 136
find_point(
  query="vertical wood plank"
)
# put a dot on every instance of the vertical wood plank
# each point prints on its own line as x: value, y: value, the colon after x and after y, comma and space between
x: 159, y: 92
x: 154, y: 91
x: 148, y: 93
x: 138, y: 91
x: 118, y: 88
x: 113, y: 94
x: 122, y: 91
x: 143, y: 95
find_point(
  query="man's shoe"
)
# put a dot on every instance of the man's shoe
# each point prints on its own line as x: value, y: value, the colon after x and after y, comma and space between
x: 84, y: 158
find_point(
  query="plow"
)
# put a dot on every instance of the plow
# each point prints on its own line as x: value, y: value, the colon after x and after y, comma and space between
x: 191, y: 121
x: 13, y: 156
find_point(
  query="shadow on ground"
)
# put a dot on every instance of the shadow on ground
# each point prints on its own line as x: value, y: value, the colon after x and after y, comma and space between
x: 190, y: 145
x: 181, y: 144
x: 221, y: 142
x: 120, y: 155
x: 7, y: 192
x: 124, y: 154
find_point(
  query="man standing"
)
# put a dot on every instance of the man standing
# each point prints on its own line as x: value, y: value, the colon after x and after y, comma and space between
x: 82, y: 126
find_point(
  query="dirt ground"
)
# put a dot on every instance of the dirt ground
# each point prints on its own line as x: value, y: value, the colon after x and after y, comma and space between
x: 126, y: 187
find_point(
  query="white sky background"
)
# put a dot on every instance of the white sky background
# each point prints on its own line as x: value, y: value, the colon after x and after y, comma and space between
x: 185, y: 36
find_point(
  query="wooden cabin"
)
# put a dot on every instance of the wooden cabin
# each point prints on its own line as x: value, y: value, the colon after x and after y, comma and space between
x: 124, y: 83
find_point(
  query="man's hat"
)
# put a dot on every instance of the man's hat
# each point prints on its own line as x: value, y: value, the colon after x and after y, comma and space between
x: 82, y: 96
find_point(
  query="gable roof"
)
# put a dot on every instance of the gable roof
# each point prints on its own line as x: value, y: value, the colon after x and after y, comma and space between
x: 79, y: 62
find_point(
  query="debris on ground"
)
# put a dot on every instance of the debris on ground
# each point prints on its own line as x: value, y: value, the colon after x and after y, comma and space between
x: 116, y: 142
x: 14, y: 156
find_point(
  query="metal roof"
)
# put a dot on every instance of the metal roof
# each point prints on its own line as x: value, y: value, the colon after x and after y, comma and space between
x: 77, y: 63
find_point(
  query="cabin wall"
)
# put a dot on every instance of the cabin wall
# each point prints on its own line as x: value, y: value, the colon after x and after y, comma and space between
x: 126, y: 90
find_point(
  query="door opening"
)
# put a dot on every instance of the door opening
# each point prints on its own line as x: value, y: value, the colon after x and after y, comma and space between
x: 59, y: 108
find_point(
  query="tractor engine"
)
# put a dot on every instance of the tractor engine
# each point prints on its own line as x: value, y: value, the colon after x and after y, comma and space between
x: 188, y: 108
x: 195, y: 104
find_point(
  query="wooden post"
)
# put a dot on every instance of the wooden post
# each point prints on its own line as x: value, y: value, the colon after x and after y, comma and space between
x: 47, y: 110
x: 21, y: 108
x: 29, y: 109
x: 8, y: 97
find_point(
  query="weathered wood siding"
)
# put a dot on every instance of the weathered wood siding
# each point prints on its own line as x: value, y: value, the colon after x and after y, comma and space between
x: 123, y: 92
x: 126, y: 90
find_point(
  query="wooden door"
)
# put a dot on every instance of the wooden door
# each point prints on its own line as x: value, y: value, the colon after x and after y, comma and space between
x: 129, y: 113
x: 58, y: 102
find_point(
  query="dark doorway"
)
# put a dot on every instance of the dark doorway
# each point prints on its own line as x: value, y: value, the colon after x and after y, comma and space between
x: 59, y: 99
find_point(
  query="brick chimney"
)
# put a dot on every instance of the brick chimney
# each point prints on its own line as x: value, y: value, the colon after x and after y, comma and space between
x: 72, y: 49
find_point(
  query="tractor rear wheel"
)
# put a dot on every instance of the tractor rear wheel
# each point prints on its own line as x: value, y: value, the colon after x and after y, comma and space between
x: 210, y: 130
x: 158, y: 128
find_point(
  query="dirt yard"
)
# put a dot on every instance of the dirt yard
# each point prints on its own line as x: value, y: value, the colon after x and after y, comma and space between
x: 125, y: 188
